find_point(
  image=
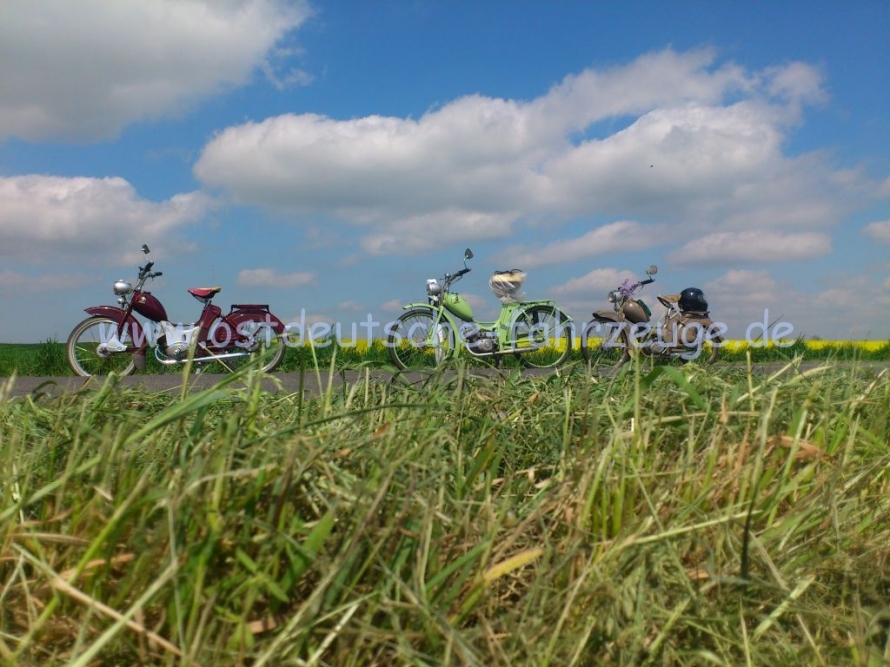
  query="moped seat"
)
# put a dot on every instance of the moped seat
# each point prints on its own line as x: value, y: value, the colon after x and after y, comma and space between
x: 204, y: 292
x: 669, y: 300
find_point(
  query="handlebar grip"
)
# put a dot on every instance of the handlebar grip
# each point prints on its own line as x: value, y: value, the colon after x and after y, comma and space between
x: 159, y: 273
x: 463, y: 272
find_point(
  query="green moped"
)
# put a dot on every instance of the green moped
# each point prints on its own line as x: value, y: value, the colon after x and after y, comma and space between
x: 428, y: 334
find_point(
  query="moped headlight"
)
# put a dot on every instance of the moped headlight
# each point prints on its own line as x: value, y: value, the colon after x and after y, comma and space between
x: 122, y: 287
x: 612, y: 297
x: 433, y: 288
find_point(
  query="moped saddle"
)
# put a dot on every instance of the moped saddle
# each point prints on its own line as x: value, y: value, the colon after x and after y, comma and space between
x: 204, y: 292
x: 669, y: 300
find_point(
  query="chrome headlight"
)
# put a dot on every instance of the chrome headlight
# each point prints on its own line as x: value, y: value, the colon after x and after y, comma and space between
x: 122, y: 287
x: 433, y: 288
x: 612, y: 297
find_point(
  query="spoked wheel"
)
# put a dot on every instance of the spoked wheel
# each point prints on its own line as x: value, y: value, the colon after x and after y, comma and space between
x: 415, y: 340
x: 602, y: 345
x: 259, y: 342
x: 542, y: 337
x: 711, y: 349
x: 88, y: 348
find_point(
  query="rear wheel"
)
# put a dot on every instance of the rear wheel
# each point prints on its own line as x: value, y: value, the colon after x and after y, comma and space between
x: 603, y: 344
x: 88, y: 348
x: 258, y: 341
x: 415, y: 340
x: 542, y: 337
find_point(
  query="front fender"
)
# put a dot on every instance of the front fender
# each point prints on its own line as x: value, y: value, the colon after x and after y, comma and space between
x: 119, y: 315
x: 438, y: 313
x: 139, y: 336
x: 606, y: 316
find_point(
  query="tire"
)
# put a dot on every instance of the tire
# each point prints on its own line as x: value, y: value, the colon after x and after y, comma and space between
x: 83, y: 349
x: 542, y: 337
x: 600, y: 347
x: 408, y: 340
x: 715, y: 350
x: 271, y: 348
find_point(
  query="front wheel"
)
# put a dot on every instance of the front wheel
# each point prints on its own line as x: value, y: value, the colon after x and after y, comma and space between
x: 605, y: 344
x: 94, y: 348
x: 415, y: 339
x: 542, y: 337
x: 714, y: 345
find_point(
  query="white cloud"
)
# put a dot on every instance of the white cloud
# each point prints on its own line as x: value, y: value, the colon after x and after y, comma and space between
x: 97, y: 220
x: 879, y: 231
x: 701, y: 149
x: 744, y: 288
x: 426, y: 232
x: 615, y: 237
x: 272, y: 278
x: 845, y: 311
x: 351, y: 306
x: 753, y: 246
x: 83, y: 70
x: 393, y: 305
x: 598, y: 282
x: 20, y: 282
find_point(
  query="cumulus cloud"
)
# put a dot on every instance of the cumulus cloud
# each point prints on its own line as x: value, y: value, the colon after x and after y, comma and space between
x: 699, y: 147
x: 21, y: 282
x: 83, y: 70
x: 620, y: 236
x: 98, y: 220
x: 879, y: 231
x: 753, y: 246
x: 426, y: 232
x: 272, y: 278
x: 598, y: 281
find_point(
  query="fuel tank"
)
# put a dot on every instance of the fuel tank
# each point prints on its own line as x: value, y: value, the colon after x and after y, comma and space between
x: 459, y: 306
x: 636, y: 311
x: 149, y: 306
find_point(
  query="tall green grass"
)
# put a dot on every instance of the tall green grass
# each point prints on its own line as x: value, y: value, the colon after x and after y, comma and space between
x: 675, y: 516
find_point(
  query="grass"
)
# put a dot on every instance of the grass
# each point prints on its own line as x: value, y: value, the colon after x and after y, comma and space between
x: 678, y: 516
x: 47, y: 359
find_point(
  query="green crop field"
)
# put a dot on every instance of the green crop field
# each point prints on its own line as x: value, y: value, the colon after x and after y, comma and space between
x: 684, y: 515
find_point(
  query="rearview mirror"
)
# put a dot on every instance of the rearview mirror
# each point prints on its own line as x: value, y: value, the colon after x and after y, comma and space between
x: 468, y: 254
x: 145, y: 249
x: 652, y: 270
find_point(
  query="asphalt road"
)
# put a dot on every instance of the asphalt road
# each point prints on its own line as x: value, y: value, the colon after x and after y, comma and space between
x: 312, y: 383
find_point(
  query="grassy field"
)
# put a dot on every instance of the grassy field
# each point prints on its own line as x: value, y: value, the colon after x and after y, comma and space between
x: 678, y: 516
x: 47, y: 359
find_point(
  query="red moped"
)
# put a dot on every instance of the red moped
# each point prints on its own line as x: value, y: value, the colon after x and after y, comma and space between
x: 113, y: 340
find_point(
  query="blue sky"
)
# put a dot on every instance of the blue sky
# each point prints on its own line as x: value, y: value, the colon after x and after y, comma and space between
x: 329, y: 157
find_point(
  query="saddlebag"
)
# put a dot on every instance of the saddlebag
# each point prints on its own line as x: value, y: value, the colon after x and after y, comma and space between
x: 686, y: 329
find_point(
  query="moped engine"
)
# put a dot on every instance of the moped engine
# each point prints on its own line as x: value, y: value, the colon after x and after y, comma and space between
x: 177, y: 351
x: 175, y: 341
x: 482, y: 342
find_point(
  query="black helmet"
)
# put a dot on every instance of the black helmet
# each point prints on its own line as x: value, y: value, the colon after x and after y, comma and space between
x: 692, y: 298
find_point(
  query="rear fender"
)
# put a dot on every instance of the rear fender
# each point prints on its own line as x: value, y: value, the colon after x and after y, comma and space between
x: 248, y: 314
